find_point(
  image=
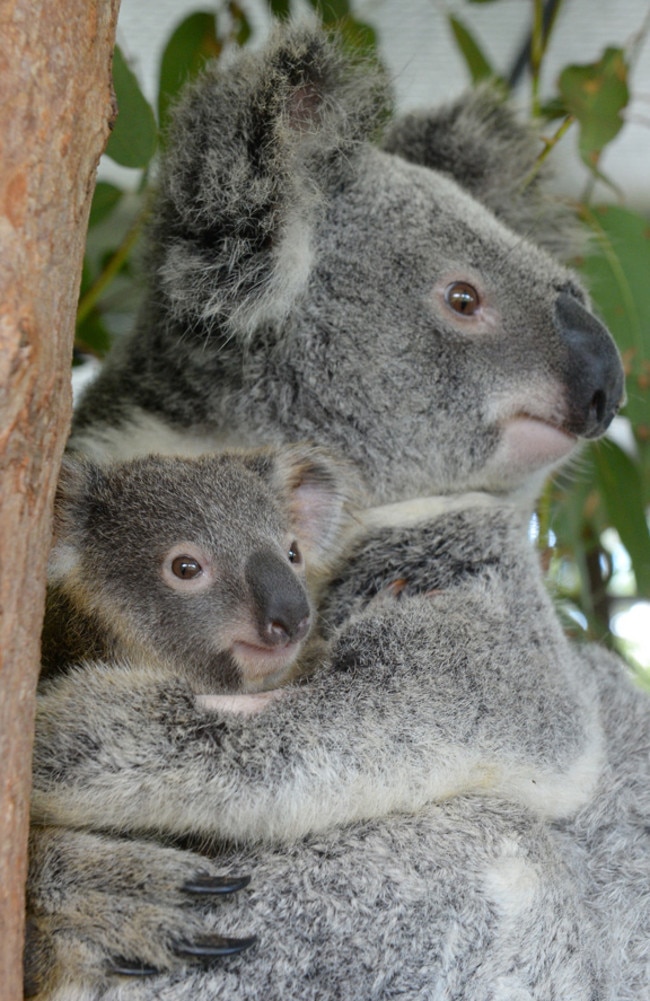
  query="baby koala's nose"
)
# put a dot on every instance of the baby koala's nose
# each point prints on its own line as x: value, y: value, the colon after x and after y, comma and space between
x: 286, y: 627
x: 282, y: 609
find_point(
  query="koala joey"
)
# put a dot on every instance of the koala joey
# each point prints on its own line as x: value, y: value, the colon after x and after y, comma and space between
x: 415, y: 704
x: 194, y: 563
x: 191, y: 569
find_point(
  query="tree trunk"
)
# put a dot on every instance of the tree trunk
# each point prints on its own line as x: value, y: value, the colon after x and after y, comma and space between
x: 55, y: 109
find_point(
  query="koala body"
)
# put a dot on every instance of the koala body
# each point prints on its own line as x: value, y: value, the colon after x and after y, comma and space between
x: 397, y: 303
x: 411, y: 708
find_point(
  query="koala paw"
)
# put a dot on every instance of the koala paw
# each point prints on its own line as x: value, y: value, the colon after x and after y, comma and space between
x: 384, y: 598
x: 241, y: 705
x: 100, y: 908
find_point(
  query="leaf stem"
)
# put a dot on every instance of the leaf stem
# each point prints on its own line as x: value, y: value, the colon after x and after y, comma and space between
x: 113, y: 266
x: 549, y: 144
x: 536, y: 54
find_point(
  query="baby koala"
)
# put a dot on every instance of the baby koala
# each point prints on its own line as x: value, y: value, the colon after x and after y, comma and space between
x: 194, y: 564
x: 193, y: 573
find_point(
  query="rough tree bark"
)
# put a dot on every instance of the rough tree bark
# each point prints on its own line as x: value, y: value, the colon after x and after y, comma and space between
x: 55, y: 108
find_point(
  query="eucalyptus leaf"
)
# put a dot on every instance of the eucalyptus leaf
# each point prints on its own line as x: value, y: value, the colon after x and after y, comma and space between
x: 331, y: 11
x: 280, y: 8
x: 617, y: 269
x: 477, y: 63
x: 621, y: 488
x: 91, y: 336
x: 191, y: 44
x: 242, y: 28
x: 357, y: 35
x: 105, y: 199
x: 133, y: 140
x: 596, y: 94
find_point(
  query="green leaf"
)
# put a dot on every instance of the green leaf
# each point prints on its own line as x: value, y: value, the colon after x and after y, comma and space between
x: 553, y: 109
x: 622, y: 492
x: 105, y: 198
x: 331, y: 11
x: 241, y: 27
x: 477, y: 63
x: 191, y: 44
x: 596, y: 94
x: 617, y: 269
x: 91, y: 336
x: 357, y: 35
x: 280, y: 8
x: 133, y: 140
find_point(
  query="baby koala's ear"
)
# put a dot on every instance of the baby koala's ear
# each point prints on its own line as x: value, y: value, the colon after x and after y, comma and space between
x: 76, y: 479
x: 320, y: 493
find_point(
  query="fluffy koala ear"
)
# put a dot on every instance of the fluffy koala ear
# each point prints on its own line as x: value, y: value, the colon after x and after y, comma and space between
x: 253, y: 148
x: 319, y: 492
x: 479, y: 141
x: 70, y: 513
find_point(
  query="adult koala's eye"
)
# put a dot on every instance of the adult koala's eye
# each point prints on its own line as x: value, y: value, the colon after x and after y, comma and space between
x: 295, y: 556
x: 186, y: 568
x: 462, y: 298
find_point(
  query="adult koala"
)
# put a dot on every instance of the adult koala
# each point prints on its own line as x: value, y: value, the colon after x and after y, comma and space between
x: 304, y: 284
x: 387, y: 302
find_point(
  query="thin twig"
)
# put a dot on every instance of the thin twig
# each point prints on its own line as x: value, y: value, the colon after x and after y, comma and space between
x: 549, y: 144
x: 113, y: 266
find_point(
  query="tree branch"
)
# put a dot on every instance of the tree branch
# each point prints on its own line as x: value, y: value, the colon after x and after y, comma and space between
x: 56, y: 67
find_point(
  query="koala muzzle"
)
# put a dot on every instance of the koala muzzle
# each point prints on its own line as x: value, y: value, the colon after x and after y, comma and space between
x: 280, y: 603
x: 593, y: 372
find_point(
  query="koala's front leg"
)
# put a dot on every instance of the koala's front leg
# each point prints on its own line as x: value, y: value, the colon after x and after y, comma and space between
x: 416, y: 704
x: 88, y: 895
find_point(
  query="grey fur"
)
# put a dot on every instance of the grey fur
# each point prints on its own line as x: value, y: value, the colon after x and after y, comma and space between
x: 297, y: 290
x: 468, y: 898
x: 416, y: 704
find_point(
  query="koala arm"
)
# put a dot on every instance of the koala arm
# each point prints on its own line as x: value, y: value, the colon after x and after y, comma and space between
x: 100, y: 907
x: 416, y: 703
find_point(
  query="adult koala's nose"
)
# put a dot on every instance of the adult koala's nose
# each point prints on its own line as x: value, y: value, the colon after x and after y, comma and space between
x: 593, y: 373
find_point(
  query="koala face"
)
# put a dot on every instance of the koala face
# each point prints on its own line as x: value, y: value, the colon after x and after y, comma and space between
x: 469, y: 357
x: 197, y: 564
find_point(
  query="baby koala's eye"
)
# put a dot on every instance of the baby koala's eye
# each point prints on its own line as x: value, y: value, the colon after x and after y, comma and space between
x: 186, y: 568
x: 462, y: 298
x: 295, y: 556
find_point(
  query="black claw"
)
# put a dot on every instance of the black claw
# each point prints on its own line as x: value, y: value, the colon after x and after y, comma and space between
x: 215, y: 884
x: 131, y: 968
x: 213, y: 947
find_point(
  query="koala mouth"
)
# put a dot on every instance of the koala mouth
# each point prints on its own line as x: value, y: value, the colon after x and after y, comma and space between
x: 264, y: 666
x: 530, y: 442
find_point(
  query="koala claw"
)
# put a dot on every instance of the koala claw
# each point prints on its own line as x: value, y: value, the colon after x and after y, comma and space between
x: 213, y: 947
x: 207, y: 885
x: 131, y: 968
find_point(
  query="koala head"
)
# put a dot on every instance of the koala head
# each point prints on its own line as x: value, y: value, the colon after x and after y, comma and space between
x: 200, y: 564
x: 396, y: 302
